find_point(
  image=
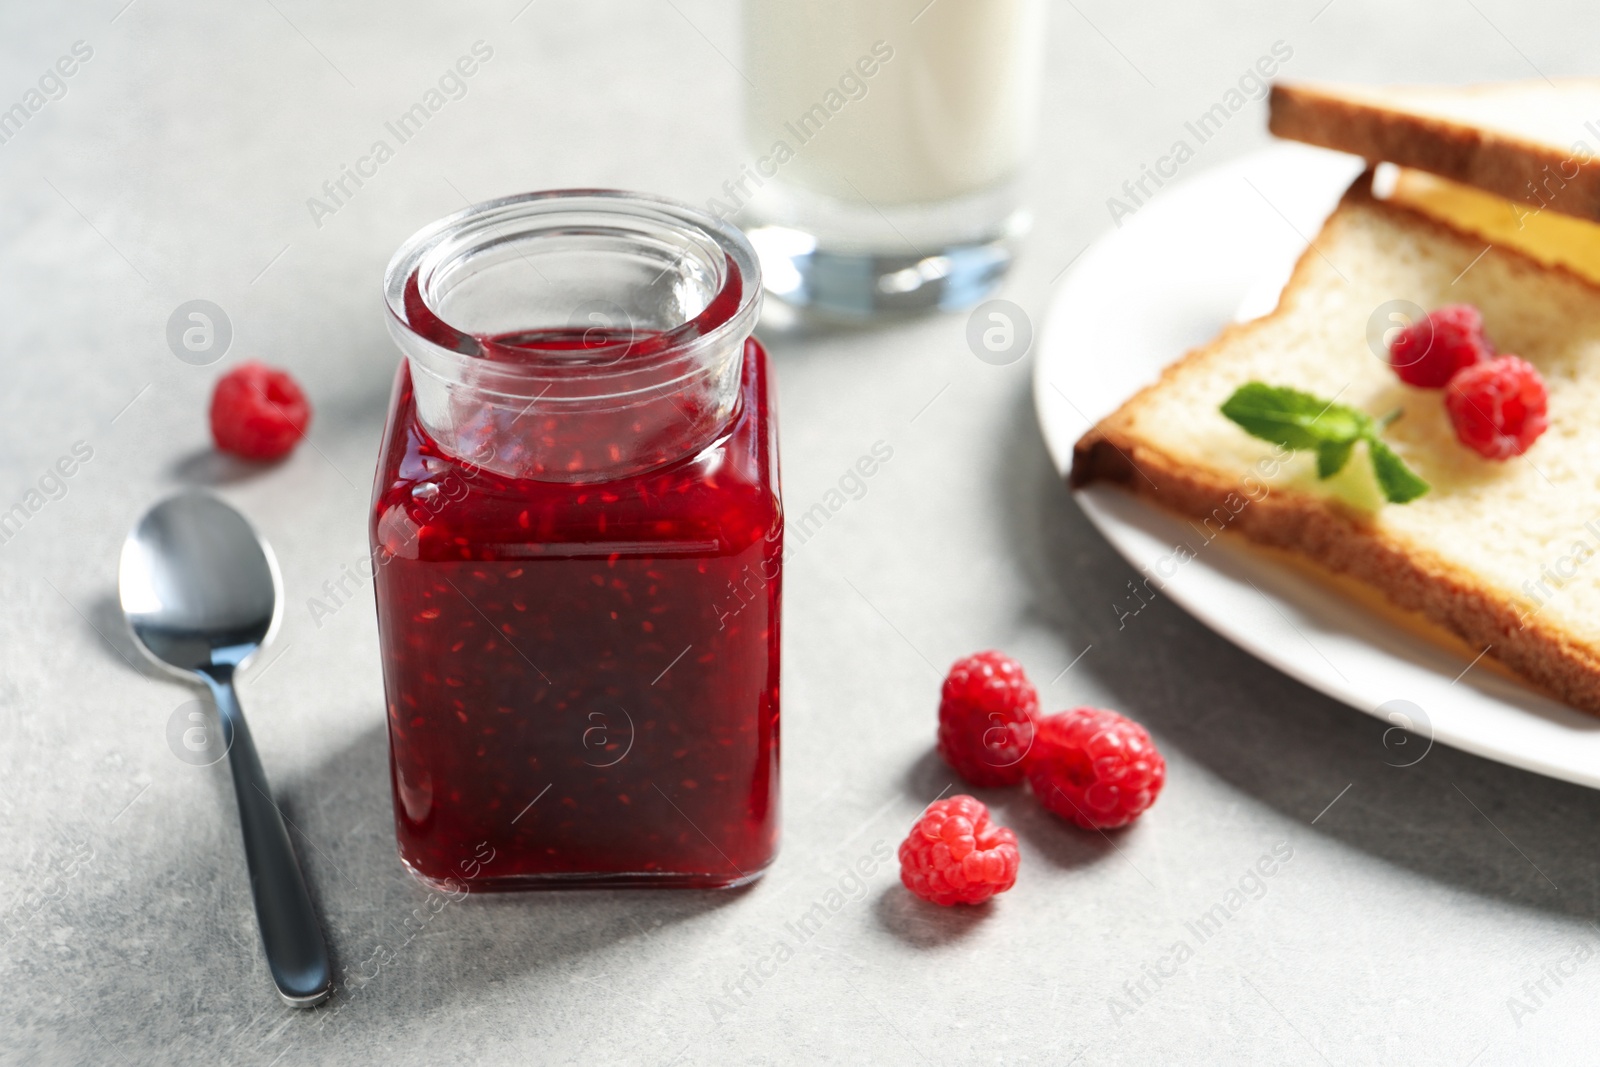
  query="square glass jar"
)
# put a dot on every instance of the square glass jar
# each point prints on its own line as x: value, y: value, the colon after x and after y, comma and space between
x: 577, y: 536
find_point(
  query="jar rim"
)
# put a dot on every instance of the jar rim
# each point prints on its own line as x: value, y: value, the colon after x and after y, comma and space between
x: 433, y: 246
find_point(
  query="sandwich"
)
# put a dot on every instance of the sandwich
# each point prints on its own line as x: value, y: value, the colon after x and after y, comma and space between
x: 1418, y: 412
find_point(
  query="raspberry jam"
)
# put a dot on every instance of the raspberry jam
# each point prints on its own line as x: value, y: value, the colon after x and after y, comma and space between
x: 578, y: 589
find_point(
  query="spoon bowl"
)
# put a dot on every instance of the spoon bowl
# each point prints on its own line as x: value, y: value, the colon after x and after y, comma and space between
x: 201, y: 592
x: 197, y: 584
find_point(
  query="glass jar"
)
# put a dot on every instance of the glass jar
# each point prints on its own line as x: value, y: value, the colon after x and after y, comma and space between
x: 577, y: 535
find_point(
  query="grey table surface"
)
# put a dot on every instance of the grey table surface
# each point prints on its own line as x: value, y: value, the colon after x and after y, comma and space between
x: 1441, y: 913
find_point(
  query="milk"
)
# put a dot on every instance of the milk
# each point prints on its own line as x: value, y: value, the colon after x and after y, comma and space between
x: 895, y: 102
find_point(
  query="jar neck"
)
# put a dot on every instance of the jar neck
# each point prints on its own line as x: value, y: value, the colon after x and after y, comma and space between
x: 575, y: 336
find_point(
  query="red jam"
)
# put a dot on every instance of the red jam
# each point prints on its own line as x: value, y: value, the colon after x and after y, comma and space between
x: 582, y: 677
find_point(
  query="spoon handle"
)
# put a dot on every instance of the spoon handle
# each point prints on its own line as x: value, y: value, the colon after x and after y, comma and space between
x: 290, y: 933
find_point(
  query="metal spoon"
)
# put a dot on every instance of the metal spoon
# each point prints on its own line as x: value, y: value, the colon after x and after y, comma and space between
x: 200, y: 590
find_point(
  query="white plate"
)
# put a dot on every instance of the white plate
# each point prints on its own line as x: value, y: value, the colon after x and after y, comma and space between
x: 1201, y: 252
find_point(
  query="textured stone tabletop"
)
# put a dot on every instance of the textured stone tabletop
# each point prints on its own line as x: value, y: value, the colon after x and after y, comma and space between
x: 1441, y: 913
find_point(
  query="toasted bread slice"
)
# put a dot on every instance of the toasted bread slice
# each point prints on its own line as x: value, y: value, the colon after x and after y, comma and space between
x: 1536, y: 143
x: 1504, y: 554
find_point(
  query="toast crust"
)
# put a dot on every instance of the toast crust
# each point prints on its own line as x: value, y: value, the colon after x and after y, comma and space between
x: 1336, y: 537
x: 1523, y: 171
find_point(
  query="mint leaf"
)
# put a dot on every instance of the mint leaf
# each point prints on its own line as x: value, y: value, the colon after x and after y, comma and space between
x: 1294, y: 419
x: 1400, y: 484
x: 1332, y: 456
x: 1308, y: 423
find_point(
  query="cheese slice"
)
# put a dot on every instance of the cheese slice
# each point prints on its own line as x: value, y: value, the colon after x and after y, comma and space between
x: 1551, y: 238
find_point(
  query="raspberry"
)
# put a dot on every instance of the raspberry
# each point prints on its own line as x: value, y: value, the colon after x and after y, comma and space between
x: 955, y: 855
x: 1429, y: 353
x: 1094, y: 767
x: 1499, y: 408
x: 986, y: 713
x: 258, y: 412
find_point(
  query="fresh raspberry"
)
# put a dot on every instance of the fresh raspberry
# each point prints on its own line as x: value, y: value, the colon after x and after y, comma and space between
x: 1094, y: 767
x: 986, y: 713
x: 258, y: 412
x: 955, y: 855
x: 1429, y: 353
x: 1499, y: 408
